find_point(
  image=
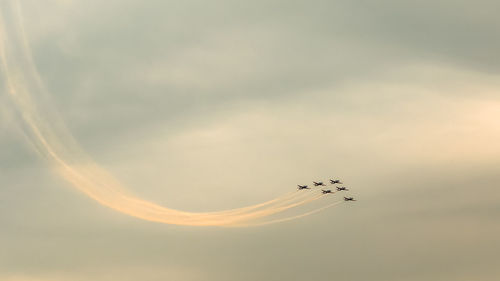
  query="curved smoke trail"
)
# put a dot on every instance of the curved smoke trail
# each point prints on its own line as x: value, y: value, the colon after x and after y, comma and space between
x: 46, y: 132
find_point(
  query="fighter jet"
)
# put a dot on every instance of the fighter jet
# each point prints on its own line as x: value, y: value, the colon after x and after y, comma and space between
x: 319, y: 183
x: 302, y: 187
x: 349, y: 199
x: 335, y: 182
x: 341, y: 188
x: 326, y: 191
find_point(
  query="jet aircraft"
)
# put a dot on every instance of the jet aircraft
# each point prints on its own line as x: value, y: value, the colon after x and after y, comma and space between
x: 349, y: 199
x: 319, y: 183
x: 341, y: 188
x: 302, y: 187
x: 326, y: 191
x: 335, y: 181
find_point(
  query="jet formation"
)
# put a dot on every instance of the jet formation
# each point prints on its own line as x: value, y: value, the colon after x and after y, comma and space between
x: 328, y: 191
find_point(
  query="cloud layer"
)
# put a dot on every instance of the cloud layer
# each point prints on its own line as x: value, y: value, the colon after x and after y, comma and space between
x: 234, y: 103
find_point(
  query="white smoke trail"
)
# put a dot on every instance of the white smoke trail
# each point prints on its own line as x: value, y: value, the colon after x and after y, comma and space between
x: 46, y: 132
x: 296, y: 216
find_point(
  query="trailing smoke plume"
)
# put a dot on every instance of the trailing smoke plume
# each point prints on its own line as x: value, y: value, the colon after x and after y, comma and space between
x: 46, y: 132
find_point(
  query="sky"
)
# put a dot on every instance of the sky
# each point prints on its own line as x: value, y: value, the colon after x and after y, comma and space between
x: 206, y: 106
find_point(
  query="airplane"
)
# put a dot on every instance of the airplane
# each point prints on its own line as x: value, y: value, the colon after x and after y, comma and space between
x: 302, y: 187
x: 335, y: 181
x: 342, y: 188
x: 326, y: 191
x: 349, y: 199
x: 318, y: 183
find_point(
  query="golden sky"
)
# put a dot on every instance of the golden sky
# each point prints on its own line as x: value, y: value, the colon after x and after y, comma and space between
x: 208, y: 106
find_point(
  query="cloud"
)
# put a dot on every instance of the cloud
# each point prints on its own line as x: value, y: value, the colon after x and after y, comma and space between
x: 399, y: 99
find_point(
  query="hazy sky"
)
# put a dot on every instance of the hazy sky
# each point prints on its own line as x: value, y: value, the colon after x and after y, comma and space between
x: 210, y: 105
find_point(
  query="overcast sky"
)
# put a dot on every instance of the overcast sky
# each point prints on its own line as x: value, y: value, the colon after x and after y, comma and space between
x: 210, y: 105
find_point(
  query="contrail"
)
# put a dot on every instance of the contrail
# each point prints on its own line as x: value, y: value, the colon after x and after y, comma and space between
x: 296, y: 216
x: 48, y: 135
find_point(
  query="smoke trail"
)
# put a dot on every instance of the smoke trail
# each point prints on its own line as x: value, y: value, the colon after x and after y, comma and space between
x: 47, y: 133
x: 295, y: 217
